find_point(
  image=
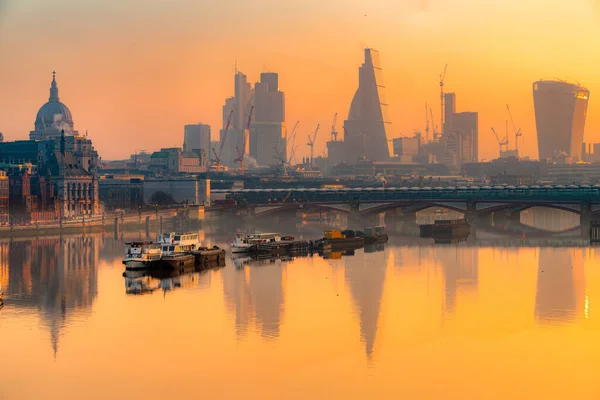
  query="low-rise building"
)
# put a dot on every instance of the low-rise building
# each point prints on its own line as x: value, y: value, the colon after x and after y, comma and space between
x: 180, y: 190
x: 121, y: 191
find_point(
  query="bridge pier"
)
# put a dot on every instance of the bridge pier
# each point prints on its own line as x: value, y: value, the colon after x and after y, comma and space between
x: 354, y: 217
x: 585, y: 219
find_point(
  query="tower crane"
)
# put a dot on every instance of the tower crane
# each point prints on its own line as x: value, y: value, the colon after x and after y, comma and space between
x: 442, y: 77
x: 241, y: 153
x: 518, y: 133
x: 333, y: 131
x: 293, y: 142
x: 433, y: 127
x: 426, y: 124
x: 311, y: 143
x: 500, y: 142
x: 217, y: 158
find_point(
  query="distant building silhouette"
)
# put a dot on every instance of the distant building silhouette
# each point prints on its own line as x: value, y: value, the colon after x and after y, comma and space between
x: 560, y: 110
x: 460, y: 137
x: 365, y: 129
x: 267, y: 144
x: 196, y: 138
x: 240, y: 104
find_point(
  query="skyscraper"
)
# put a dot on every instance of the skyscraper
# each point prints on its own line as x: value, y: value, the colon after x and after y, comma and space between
x: 560, y: 110
x: 267, y: 144
x: 460, y: 136
x: 239, y: 103
x: 196, y: 137
x: 365, y: 129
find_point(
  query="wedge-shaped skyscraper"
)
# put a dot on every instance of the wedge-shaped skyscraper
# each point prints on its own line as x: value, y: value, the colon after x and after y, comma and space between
x: 365, y: 128
x: 560, y: 110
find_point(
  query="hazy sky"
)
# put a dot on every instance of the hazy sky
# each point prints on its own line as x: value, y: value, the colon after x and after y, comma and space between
x: 134, y: 72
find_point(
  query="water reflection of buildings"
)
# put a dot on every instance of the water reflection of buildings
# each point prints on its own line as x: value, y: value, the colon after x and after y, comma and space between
x: 256, y: 295
x: 366, y: 281
x: 561, y: 291
x: 57, y: 277
x: 461, y: 273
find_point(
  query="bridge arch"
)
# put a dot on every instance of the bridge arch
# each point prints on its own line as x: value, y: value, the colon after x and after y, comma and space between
x: 413, y: 207
x: 273, y: 209
x: 522, y: 207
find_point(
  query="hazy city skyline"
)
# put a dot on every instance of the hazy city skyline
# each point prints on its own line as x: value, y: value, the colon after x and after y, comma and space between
x: 125, y: 80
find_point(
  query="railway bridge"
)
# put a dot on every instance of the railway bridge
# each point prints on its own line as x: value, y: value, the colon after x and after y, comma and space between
x: 475, y: 202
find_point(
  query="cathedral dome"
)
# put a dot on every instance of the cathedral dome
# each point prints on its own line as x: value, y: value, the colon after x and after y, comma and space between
x: 54, y: 111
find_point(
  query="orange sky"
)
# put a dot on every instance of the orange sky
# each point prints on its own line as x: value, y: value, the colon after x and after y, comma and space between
x: 134, y: 72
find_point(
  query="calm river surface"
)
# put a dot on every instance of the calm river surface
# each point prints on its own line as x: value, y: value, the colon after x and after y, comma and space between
x: 495, y: 317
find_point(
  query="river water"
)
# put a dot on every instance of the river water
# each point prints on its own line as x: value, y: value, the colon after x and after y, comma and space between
x: 496, y: 317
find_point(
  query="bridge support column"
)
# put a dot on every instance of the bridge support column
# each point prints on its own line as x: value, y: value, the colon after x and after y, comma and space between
x: 354, y: 215
x: 471, y: 214
x: 585, y: 219
x: 148, y: 226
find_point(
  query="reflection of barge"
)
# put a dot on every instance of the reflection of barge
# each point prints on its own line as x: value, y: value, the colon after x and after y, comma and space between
x: 446, y: 231
x: 375, y: 235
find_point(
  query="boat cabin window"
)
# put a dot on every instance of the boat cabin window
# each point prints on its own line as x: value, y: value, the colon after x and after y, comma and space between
x: 171, y: 248
x: 177, y: 237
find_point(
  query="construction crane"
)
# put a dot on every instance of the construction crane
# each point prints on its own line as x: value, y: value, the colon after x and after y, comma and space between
x: 500, y: 142
x: 442, y: 77
x: 217, y: 158
x: 292, y: 140
x: 426, y: 124
x: 242, y: 152
x: 311, y: 143
x: 518, y: 133
x: 333, y: 131
x: 433, y: 127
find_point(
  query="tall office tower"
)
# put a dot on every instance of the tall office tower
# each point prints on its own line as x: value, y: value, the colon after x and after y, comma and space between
x: 240, y: 104
x: 467, y: 124
x: 560, y: 110
x: 196, y: 137
x: 365, y: 128
x: 449, y: 111
x: 267, y: 144
x: 460, y: 137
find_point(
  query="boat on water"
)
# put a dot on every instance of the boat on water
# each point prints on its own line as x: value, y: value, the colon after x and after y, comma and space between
x: 141, y: 255
x: 243, y: 243
x: 206, y: 257
x: 336, y: 240
x: 175, y: 242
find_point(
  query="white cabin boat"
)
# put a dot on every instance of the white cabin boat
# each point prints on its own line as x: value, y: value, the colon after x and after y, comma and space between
x: 140, y: 255
x: 243, y: 242
x: 177, y: 243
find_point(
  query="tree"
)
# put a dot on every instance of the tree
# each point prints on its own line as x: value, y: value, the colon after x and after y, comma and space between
x: 162, y: 199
